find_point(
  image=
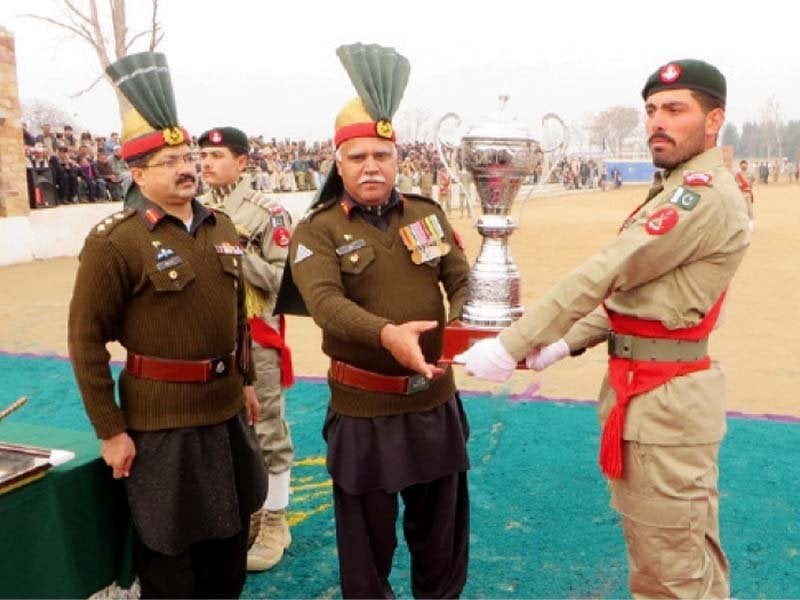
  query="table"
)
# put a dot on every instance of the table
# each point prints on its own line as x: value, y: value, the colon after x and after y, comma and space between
x: 68, y: 534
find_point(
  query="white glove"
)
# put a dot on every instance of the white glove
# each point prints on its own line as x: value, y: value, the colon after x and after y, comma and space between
x: 546, y: 356
x: 487, y: 359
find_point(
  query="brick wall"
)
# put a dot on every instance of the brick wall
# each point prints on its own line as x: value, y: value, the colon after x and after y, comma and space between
x: 13, y: 184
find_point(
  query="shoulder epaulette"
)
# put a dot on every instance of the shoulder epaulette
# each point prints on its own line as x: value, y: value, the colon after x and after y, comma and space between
x: 104, y: 227
x: 315, y: 210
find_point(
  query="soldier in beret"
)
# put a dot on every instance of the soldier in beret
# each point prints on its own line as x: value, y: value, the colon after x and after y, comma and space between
x: 264, y: 233
x: 655, y: 294
x: 368, y: 263
x: 165, y: 280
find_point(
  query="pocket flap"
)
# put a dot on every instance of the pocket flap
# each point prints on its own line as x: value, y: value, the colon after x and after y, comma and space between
x: 172, y: 280
x: 356, y: 261
x: 665, y: 513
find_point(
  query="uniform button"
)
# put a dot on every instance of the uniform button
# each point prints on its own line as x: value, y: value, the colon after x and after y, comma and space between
x: 354, y: 258
x: 173, y: 274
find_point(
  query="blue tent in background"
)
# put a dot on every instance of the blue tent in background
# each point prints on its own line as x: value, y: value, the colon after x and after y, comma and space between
x: 633, y: 170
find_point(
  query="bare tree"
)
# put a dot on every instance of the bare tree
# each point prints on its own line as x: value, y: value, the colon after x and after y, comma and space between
x: 613, y: 126
x: 772, y: 126
x: 40, y: 112
x: 84, y: 20
x: 414, y: 125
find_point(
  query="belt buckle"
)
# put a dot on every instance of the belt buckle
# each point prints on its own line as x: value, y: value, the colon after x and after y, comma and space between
x: 417, y: 383
x: 219, y: 367
x: 619, y: 345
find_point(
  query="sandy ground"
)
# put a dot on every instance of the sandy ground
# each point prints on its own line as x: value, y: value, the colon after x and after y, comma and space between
x: 758, y: 342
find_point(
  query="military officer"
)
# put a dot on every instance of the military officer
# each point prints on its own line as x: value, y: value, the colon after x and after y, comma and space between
x: 264, y: 233
x: 369, y: 262
x: 655, y: 294
x: 165, y: 280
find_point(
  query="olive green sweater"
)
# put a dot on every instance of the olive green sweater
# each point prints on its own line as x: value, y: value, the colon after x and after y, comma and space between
x: 352, y: 294
x: 161, y: 292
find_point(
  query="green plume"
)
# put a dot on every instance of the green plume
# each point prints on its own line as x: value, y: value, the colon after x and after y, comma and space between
x: 379, y: 74
x: 145, y: 81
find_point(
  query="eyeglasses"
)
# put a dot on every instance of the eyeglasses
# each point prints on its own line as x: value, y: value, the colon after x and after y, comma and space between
x: 172, y: 162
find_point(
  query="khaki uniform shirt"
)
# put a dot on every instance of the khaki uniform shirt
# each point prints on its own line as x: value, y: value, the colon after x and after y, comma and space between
x: 657, y: 270
x: 264, y: 229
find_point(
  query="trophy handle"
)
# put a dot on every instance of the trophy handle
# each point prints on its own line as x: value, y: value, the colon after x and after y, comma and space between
x: 443, y: 157
x: 561, y: 147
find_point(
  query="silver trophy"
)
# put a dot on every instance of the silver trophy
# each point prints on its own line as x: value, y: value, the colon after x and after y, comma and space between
x: 499, y: 156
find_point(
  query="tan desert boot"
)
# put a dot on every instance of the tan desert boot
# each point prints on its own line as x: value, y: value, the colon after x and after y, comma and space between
x: 273, y: 538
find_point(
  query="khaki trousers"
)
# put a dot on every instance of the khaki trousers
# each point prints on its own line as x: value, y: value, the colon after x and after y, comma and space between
x: 669, y: 503
x: 272, y: 430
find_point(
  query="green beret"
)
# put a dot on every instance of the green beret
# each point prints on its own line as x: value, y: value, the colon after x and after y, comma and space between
x: 230, y: 137
x: 690, y: 74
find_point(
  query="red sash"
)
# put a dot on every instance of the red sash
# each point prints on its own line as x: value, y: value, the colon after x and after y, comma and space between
x: 629, y: 378
x: 744, y: 185
x: 266, y: 336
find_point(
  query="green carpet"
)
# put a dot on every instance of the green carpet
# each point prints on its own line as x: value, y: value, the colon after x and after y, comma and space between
x: 541, y: 526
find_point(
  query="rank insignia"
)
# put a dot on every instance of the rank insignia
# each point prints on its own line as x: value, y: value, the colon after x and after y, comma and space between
x: 425, y: 240
x: 281, y: 237
x: 229, y: 249
x: 661, y: 221
x: 152, y: 216
x: 685, y: 199
x: 302, y: 254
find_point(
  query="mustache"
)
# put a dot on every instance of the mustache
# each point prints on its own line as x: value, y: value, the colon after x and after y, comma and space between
x: 372, y: 179
x: 659, y: 136
x: 185, y: 178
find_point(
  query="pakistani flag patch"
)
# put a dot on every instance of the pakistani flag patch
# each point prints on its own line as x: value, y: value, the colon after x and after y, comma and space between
x: 685, y: 199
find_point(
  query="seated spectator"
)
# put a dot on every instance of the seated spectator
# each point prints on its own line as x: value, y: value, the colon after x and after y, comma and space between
x: 65, y: 174
x: 106, y: 173
x: 27, y: 137
x: 90, y: 187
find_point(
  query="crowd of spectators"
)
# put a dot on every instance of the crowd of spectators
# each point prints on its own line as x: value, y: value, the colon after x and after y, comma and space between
x: 68, y: 168
x: 65, y: 168
x: 777, y: 170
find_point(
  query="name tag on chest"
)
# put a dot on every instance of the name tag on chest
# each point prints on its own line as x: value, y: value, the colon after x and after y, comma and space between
x: 347, y: 248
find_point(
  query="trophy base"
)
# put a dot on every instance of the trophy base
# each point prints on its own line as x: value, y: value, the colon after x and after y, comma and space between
x: 459, y: 336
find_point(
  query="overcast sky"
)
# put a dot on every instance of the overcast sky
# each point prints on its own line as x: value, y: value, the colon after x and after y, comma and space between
x: 269, y: 67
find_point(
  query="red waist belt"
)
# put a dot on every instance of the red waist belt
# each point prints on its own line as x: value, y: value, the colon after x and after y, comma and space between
x: 629, y: 377
x: 376, y: 382
x: 267, y: 337
x: 178, y: 371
